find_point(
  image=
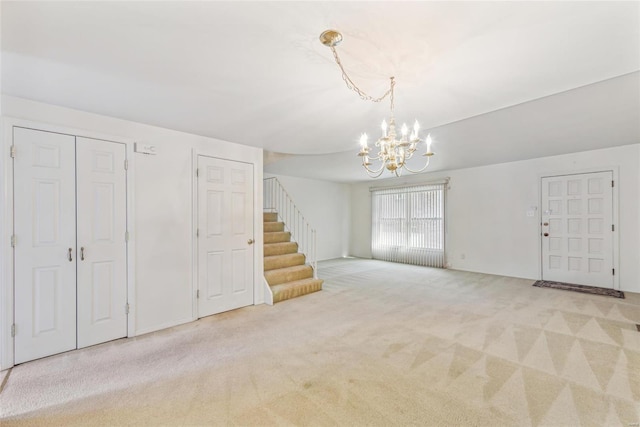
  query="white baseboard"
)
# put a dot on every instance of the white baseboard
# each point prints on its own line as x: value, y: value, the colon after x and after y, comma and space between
x: 163, y: 326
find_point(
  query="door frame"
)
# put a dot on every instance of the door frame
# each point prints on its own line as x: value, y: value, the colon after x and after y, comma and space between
x: 614, y: 216
x: 258, y: 260
x: 7, y: 226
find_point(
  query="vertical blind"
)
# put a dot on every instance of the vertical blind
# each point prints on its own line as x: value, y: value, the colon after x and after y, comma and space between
x: 408, y: 224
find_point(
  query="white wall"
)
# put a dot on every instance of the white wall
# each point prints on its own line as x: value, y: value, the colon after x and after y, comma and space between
x: 486, y: 213
x: 326, y: 206
x: 163, y: 226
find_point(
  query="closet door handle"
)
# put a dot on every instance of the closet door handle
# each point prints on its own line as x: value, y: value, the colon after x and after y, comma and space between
x: 82, y: 253
x: 70, y: 257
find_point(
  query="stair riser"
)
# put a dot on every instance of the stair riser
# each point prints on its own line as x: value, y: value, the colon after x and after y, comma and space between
x: 276, y: 277
x: 278, y: 237
x: 270, y: 227
x: 282, y: 261
x: 285, y: 294
x: 289, y: 248
x: 270, y: 216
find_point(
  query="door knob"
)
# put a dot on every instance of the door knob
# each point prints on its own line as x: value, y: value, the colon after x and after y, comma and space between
x: 545, y: 234
x: 250, y: 241
x: 70, y: 257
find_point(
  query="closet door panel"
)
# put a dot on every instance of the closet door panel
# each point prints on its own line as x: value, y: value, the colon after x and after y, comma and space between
x: 45, y: 255
x: 102, y: 250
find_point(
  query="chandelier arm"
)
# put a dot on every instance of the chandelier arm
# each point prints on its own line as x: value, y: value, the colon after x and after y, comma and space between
x: 409, y: 153
x: 376, y: 174
x: 372, y: 171
x: 420, y: 170
x: 352, y: 86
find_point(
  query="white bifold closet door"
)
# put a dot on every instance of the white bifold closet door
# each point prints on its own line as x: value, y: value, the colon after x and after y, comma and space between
x: 45, y: 230
x: 102, y: 248
x: 70, y: 284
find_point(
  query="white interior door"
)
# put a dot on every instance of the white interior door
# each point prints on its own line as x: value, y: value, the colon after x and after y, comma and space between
x: 577, y: 229
x: 225, y: 242
x: 102, y: 250
x: 45, y: 256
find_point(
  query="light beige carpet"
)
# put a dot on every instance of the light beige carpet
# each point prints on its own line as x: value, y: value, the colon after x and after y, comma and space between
x: 382, y: 344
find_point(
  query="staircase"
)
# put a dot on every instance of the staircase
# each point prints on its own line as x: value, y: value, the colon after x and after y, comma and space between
x: 285, y: 269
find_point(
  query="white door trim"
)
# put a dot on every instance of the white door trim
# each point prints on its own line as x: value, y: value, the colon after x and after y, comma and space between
x: 615, y: 217
x: 258, y: 257
x: 6, y: 251
x: 6, y: 226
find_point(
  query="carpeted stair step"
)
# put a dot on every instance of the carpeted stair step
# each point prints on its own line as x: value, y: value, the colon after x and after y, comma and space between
x: 273, y: 226
x: 295, y: 289
x: 282, y: 261
x: 288, y: 274
x: 277, y: 237
x: 270, y: 217
x: 284, y: 267
x: 280, y: 248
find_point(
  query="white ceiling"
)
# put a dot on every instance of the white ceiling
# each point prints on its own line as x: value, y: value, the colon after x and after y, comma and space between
x: 494, y: 81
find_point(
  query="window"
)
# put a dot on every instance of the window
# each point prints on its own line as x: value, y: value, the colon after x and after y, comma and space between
x: 408, y: 225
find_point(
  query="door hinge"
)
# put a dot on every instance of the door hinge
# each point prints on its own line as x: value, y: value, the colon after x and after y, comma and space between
x: 613, y: 271
x: 13, y: 241
x: 12, y: 152
x: 613, y: 227
x: 197, y: 172
x: 198, y: 294
x: 126, y: 164
x: 197, y: 232
x: 13, y: 330
x: 126, y: 236
x: 612, y: 184
x: 126, y: 308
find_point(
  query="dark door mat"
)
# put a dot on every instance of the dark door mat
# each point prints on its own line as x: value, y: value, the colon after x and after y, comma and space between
x: 579, y: 288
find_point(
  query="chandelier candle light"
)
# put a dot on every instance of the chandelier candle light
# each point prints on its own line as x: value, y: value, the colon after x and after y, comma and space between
x: 393, y: 153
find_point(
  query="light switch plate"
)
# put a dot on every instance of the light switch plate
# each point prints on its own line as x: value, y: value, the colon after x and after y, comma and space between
x: 139, y: 147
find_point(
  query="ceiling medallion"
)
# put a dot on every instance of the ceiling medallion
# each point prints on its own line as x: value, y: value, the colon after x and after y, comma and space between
x: 393, y: 150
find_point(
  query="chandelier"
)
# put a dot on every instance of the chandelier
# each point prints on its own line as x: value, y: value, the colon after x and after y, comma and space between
x: 393, y: 150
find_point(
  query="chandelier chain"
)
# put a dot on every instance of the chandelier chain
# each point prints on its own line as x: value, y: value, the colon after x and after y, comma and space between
x: 352, y: 86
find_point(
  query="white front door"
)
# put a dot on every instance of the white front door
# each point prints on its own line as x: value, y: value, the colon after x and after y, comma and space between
x: 577, y: 229
x: 102, y: 247
x: 45, y: 255
x: 225, y: 235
